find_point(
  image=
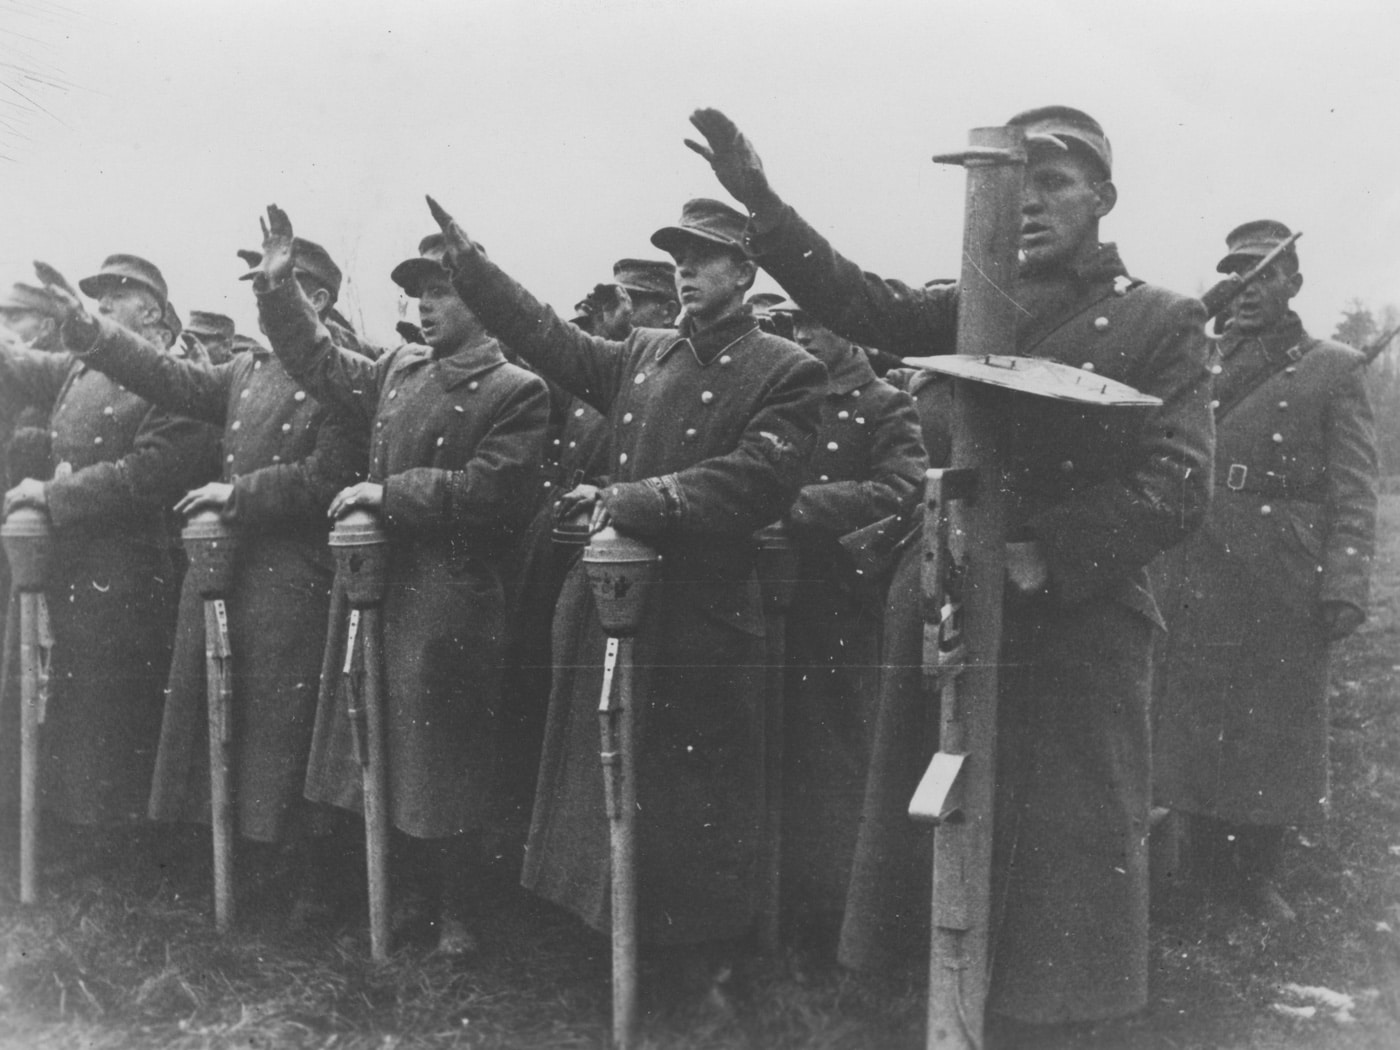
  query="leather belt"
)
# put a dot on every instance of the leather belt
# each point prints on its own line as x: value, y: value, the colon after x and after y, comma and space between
x: 1268, y: 483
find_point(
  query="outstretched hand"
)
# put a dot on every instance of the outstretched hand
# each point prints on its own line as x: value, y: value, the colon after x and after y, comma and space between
x: 274, y: 262
x: 78, y: 326
x: 458, y: 243
x: 735, y: 162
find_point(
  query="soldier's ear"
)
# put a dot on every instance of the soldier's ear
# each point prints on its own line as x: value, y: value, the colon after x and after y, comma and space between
x: 320, y: 300
x: 671, y: 309
x: 1295, y: 283
x: 1108, y: 197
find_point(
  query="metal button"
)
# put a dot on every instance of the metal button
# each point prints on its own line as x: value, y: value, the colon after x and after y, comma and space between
x: 473, y: 385
x: 441, y: 441
x: 1289, y: 370
x: 824, y: 477
x: 843, y: 414
x: 458, y: 408
x: 639, y: 378
x: 243, y: 393
x: 97, y: 440
x: 1278, y: 439
x: 832, y: 446
x: 855, y: 393
x: 393, y: 393
x: 300, y: 395
x: 228, y: 458
x: 573, y: 444
x: 237, y: 425
x: 1088, y: 366
x: 578, y: 413
x: 1067, y: 465
x: 1215, y: 370
x: 1266, y: 510
x: 257, y: 365
x: 627, y: 417
x: 109, y: 411
x: 379, y: 424
x: 286, y: 428
x: 860, y: 420
x: 1215, y: 403
x: 706, y: 397
x: 277, y: 459
x: 622, y: 459
x: 1101, y: 323
x: 724, y: 359
x: 556, y: 442
x: 690, y: 432
x: 1283, y: 404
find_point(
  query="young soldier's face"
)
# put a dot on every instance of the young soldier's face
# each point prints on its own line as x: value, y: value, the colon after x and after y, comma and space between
x: 822, y: 343
x: 709, y: 278
x: 1062, y: 199
x: 446, y: 321
x: 28, y: 325
x: 1264, y: 303
x: 129, y: 306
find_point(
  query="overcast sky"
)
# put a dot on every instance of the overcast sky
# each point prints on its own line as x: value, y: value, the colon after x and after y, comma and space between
x: 553, y: 129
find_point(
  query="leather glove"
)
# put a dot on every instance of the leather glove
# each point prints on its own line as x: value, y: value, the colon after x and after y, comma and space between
x: 637, y: 507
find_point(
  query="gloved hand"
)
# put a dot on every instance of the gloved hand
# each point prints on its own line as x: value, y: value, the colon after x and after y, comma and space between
x: 273, y: 265
x: 635, y: 507
x: 80, y: 329
x: 735, y: 162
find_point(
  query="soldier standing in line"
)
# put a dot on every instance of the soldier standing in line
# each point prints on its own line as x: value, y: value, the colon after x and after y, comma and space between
x: 118, y: 466
x: 641, y: 295
x: 711, y: 426
x: 1278, y: 574
x: 456, y: 434
x: 868, y: 465
x: 1093, y: 502
x: 214, y: 332
x: 283, y: 461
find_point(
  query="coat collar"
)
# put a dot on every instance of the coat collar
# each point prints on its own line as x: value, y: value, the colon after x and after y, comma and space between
x: 472, y: 360
x: 1285, y: 341
x: 852, y: 373
x: 709, y: 343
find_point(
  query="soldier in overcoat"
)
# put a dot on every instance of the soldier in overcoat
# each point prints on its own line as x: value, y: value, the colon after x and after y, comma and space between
x: 456, y: 436
x: 711, y: 425
x: 867, y: 465
x: 1277, y: 575
x: 1095, y: 497
x: 642, y: 295
x: 282, y: 462
x: 118, y: 464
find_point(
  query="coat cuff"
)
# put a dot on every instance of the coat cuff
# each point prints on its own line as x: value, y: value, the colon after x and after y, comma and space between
x: 643, y: 508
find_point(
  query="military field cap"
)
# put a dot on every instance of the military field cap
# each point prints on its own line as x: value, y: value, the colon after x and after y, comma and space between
x: 706, y: 220
x: 648, y: 276
x: 125, y: 269
x: 766, y: 300
x: 411, y: 273
x: 31, y: 300
x: 205, y: 322
x: 1072, y: 127
x: 310, y: 258
x: 1251, y: 241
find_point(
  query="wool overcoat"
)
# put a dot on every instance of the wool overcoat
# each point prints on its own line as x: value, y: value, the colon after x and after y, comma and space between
x: 868, y: 464
x: 1103, y: 493
x: 1240, y: 706
x: 727, y: 416
x: 456, y: 441
x: 285, y: 460
x: 119, y: 464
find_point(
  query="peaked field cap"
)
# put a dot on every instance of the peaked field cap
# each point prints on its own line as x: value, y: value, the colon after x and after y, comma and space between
x: 206, y: 322
x: 411, y: 273
x: 707, y: 220
x: 650, y: 276
x: 30, y: 299
x: 310, y: 258
x: 123, y: 269
x: 1251, y: 241
x: 1071, y: 126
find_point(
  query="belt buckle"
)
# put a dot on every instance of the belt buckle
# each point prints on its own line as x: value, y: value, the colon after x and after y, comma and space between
x: 1234, y: 480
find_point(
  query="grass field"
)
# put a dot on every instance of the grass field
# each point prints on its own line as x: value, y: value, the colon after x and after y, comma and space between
x: 127, y: 956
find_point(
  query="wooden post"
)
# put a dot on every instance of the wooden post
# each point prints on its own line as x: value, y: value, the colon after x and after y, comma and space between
x: 29, y: 746
x: 959, y: 949
x: 376, y: 774
x: 218, y: 695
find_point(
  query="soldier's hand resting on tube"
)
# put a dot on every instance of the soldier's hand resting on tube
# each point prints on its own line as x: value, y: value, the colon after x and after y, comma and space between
x: 215, y: 495
x: 365, y: 495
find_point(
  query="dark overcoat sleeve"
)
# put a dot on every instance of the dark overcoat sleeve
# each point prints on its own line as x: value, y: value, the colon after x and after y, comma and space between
x: 30, y: 377
x: 587, y: 366
x: 867, y: 309
x: 897, y: 464
x: 493, y: 490
x: 1106, y: 532
x: 345, y: 382
x: 1351, y: 475
x: 191, y: 388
